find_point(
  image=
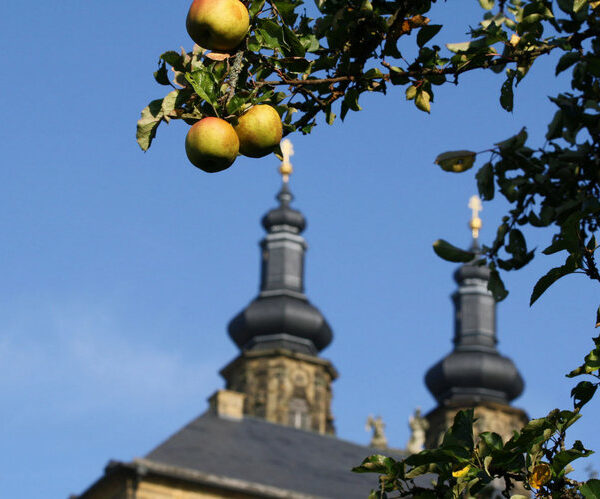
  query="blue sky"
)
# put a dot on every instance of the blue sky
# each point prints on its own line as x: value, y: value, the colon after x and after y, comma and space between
x: 120, y: 270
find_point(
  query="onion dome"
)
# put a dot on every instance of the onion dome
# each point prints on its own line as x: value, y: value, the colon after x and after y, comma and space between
x: 474, y: 371
x: 283, y: 217
x: 281, y: 315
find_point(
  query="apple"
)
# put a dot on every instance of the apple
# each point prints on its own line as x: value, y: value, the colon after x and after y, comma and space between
x: 212, y: 144
x: 217, y: 24
x: 259, y: 130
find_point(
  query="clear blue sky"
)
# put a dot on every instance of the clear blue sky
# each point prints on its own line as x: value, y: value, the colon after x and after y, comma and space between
x: 120, y: 270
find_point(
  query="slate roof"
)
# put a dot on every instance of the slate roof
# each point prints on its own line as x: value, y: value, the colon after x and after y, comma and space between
x: 255, y: 451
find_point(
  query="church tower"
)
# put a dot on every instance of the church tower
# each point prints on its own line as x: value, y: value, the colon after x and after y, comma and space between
x: 280, y: 334
x: 474, y: 374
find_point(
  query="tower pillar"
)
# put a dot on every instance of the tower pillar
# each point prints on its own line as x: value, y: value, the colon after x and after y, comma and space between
x: 280, y: 333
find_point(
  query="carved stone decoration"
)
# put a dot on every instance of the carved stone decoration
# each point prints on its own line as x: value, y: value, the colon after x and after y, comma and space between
x: 418, y: 428
x: 378, y: 440
x: 284, y: 387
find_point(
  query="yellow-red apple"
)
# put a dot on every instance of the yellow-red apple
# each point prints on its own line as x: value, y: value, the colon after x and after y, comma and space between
x: 217, y: 24
x: 212, y: 144
x: 259, y: 130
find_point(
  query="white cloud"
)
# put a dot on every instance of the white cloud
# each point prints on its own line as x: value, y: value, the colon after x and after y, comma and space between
x: 68, y: 361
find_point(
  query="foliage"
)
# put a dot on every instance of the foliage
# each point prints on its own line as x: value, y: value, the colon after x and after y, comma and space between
x: 311, y: 67
x: 325, y: 64
x: 535, y: 458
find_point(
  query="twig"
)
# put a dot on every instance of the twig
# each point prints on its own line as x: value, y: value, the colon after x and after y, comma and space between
x: 236, y: 69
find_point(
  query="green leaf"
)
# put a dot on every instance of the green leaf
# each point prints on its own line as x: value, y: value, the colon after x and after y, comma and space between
x: 293, y: 42
x: 174, y: 59
x: 271, y: 34
x: 351, y: 99
x: 507, y: 95
x: 591, y: 363
x: 427, y: 32
x: 162, y: 75
x: 460, y: 434
x: 566, y: 6
x: 486, y: 464
x: 203, y: 84
x: 423, y: 100
x: 373, y: 73
x: 583, y: 393
x: 148, y: 123
x: 485, y: 181
x: 567, y: 60
x: 491, y: 439
x: 310, y: 43
x: 546, y: 281
x: 555, y: 127
x: 286, y: 9
x: 451, y: 253
x: 563, y: 458
x: 579, y: 4
x: 235, y: 103
x: 516, y: 243
x: 514, y: 142
x: 467, y: 46
x: 329, y: 115
x: 456, y: 161
x: 496, y: 286
x: 255, y: 8
x: 487, y: 4
x: 591, y: 489
x: 411, y: 92
x: 376, y: 464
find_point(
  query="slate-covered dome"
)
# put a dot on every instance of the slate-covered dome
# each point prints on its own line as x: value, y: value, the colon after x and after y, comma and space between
x: 474, y: 371
x: 281, y: 315
x: 471, y: 376
x: 283, y: 217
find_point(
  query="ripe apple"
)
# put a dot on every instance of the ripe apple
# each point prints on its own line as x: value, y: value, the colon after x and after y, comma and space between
x: 217, y: 24
x: 259, y: 130
x: 212, y: 144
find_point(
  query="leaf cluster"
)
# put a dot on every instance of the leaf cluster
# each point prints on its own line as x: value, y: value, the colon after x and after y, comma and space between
x: 324, y: 64
x: 465, y: 464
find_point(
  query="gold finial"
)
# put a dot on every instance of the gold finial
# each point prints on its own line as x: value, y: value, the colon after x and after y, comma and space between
x: 475, y: 223
x: 287, y: 150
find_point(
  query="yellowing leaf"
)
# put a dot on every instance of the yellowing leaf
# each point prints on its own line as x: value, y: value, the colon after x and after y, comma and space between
x: 217, y: 56
x: 423, y: 101
x: 541, y: 474
x: 411, y: 92
x: 456, y: 161
x: 461, y: 472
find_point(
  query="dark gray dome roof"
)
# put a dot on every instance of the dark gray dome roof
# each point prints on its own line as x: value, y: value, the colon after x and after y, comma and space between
x: 281, y: 316
x: 474, y: 371
x: 474, y: 376
x: 278, y: 315
x: 471, y: 271
x: 283, y: 216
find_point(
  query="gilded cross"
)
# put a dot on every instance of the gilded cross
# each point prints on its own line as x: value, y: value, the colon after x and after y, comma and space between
x: 475, y: 223
x: 287, y: 151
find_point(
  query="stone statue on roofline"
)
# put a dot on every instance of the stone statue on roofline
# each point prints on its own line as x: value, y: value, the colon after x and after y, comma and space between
x: 418, y: 427
x: 377, y: 426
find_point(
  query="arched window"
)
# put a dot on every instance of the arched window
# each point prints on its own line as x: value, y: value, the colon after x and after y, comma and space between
x: 298, y: 414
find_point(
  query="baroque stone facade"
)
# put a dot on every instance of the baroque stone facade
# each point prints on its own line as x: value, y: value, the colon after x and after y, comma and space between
x: 285, y: 387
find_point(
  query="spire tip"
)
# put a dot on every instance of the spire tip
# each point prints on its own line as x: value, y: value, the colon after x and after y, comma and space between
x: 287, y: 151
x: 475, y: 223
